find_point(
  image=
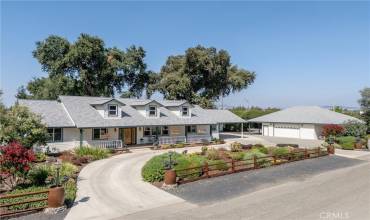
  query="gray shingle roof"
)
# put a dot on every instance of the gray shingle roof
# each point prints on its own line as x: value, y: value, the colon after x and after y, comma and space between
x: 85, y: 115
x: 52, y: 113
x: 172, y: 103
x: 306, y: 115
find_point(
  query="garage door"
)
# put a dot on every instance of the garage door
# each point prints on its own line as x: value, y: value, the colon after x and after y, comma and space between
x: 286, y: 130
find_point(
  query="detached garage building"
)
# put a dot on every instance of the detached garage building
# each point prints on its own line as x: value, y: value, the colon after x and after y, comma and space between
x: 303, y: 122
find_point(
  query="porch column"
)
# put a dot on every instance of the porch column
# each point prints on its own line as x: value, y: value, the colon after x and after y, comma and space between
x: 186, y: 134
x: 242, y: 130
x: 81, y: 137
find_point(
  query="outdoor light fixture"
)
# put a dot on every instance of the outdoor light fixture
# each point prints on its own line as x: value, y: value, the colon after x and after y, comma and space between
x: 58, y: 165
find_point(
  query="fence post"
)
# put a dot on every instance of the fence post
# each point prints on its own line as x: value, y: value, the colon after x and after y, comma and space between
x: 318, y: 151
x: 274, y: 157
x: 206, y: 169
x: 255, y: 162
x: 232, y: 165
x: 305, y: 153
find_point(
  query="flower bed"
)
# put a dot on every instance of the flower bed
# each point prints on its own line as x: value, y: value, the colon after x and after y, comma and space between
x: 214, y: 162
x: 214, y: 141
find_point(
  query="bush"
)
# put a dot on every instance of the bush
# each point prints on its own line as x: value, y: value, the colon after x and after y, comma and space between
x: 355, y: 128
x: 38, y: 174
x: 153, y: 170
x: 66, y: 171
x: 20, y: 190
x: 212, y: 154
x: 288, y: 145
x: 237, y: 155
x: 15, y: 162
x: 40, y: 157
x: 70, y: 188
x: 263, y: 162
x: 204, y: 150
x: 187, y: 162
x: 280, y: 151
x: 332, y: 130
x: 95, y: 153
x: 218, y: 165
x: 235, y: 147
x: 260, y: 148
x: 347, y: 142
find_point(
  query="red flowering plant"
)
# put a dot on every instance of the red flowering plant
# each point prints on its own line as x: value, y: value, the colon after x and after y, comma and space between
x: 15, y: 162
x: 332, y: 130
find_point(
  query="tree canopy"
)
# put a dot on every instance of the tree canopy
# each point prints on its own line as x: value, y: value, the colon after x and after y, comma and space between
x: 86, y: 67
x: 201, y: 76
x: 20, y: 125
x: 364, y: 102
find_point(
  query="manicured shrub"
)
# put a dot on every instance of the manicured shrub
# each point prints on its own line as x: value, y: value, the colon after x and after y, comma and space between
x: 212, y: 154
x: 237, y: 155
x: 70, y: 188
x: 38, y: 174
x: 347, y: 142
x: 20, y: 190
x: 332, y: 130
x: 355, y: 128
x: 235, y: 147
x: 218, y: 165
x: 95, y: 153
x: 15, y: 162
x: 260, y: 148
x: 287, y: 145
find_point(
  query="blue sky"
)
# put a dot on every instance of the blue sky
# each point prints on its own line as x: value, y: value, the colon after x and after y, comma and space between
x: 304, y: 53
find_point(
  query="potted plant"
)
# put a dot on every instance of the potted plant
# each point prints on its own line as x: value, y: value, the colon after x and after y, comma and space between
x: 331, y: 148
x: 170, y: 173
x: 56, y: 192
x: 358, y: 143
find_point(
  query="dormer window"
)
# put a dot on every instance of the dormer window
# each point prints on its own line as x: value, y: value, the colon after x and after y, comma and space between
x: 185, y: 111
x: 152, y: 111
x: 112, y: 110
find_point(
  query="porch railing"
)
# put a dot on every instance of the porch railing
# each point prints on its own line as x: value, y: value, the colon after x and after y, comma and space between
x: 111, y: 144
x: 171, y: 140
x: 198, y: 138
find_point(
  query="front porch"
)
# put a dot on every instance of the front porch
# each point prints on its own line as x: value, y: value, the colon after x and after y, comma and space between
x: 120, y: 137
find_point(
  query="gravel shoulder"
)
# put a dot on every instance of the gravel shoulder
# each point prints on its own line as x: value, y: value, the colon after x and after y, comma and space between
x: 230, y: 186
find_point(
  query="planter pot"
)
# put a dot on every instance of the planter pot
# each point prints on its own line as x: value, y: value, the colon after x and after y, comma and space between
x: 56, y: 197
x: 358, y: 145
x: 170, y: 177
x: 331, y: 149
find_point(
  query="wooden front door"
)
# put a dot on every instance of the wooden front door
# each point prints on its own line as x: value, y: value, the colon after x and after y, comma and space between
x: 129, y: 136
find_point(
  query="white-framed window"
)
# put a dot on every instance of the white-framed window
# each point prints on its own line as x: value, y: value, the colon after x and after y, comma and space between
x: 152, y: 111
x: 100, y: 133
x: 112, y: 110
x: 55, y: 134
x: 191, y: 129
x: 165, y: 130
x: 147, y: 131
x: 185, y: 111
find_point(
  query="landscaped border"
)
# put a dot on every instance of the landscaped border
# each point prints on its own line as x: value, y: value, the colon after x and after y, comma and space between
x: 234, y: 166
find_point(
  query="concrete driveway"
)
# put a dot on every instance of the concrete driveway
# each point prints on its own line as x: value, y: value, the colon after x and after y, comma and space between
x: 113, y: 187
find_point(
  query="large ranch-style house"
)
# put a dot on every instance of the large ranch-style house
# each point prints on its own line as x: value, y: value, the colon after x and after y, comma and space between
x: 115, y: 122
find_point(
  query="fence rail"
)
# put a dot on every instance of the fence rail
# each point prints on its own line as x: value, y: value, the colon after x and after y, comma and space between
x: 227, y: 167
x: 198, y: 138
x: 8, y: 209
x: 171, y: 139
x: 112, y: 144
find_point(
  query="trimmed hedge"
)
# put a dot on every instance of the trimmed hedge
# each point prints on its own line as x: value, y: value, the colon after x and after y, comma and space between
x: 94, y: 153
x: 347, y: 142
